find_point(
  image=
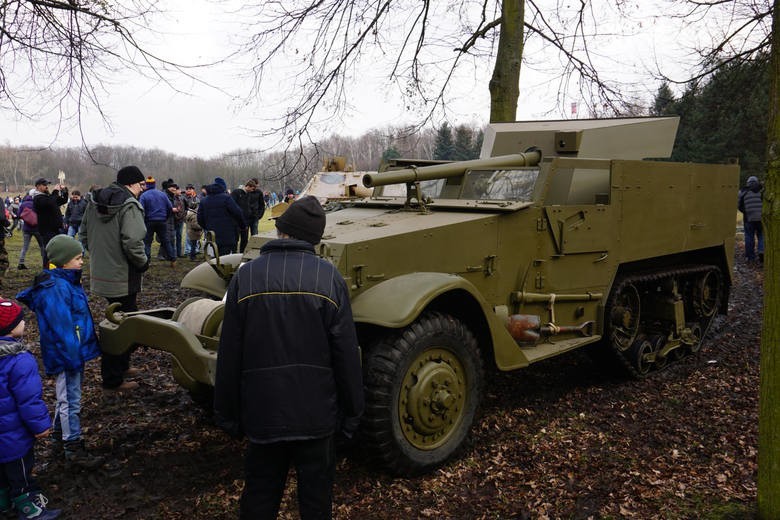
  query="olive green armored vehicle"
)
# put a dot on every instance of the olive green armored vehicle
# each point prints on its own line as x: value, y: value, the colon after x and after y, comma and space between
x: 565, y: 234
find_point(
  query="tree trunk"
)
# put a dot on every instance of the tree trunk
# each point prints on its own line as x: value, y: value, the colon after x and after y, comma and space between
x: 769, y: 396
x: 505, y: 83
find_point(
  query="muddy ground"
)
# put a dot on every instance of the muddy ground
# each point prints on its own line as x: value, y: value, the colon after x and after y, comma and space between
x: 562, y: 439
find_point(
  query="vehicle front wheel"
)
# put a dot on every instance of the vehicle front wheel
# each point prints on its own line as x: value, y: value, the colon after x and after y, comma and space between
x: 423, y: 387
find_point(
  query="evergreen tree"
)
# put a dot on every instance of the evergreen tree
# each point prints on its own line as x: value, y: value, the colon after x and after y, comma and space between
x: 688, y: 133
x: 664, y: 100
x: 389, y: 154
x: 463, y: 148
x: 445, y: 148
x: 718, y: 120
x: 476, y: 145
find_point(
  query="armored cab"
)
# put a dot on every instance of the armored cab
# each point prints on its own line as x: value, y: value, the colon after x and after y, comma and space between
x: 564, y: 234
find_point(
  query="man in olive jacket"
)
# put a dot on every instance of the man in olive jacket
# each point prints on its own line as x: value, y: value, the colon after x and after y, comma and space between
x: 113, y: 232
x: 288, y: 371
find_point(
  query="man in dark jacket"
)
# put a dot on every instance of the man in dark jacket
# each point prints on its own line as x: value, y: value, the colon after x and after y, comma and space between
x: 249, y: 200
x: 191, y: 197
x: 157, y: 211
x: 257, y: 203
x: 288, y: 371
x: 178, y: 212
x: 219, y: 213
x: 749, y: 203
x: 113, y: 232
x: 75, y: 212
x: 47, y: 206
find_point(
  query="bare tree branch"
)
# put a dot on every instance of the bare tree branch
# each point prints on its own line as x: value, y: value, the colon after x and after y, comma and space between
x: 744, y: 33
x: 424, y: 45
x: 60, y: 56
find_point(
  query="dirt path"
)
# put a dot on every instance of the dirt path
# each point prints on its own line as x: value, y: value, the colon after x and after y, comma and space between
x: 561, y: 439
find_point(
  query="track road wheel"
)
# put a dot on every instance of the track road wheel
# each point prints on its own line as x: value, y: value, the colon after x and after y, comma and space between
x: 695, y: 338
x: 624, y: 311
x: 678, y: 353
x: 658, y: 342
x: 707, y: 292
x: 641, y: 352
x: 423, y: 387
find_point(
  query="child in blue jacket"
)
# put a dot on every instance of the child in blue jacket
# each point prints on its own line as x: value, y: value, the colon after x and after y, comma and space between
x: 68, y: 339
x: 23, y: 418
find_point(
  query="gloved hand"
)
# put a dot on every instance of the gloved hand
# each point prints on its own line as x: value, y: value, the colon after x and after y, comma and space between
x: 349, y: 426
x: 232, y: 428
x: 144, y: 267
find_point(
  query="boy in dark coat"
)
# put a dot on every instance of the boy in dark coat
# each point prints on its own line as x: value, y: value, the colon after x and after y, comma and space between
x: 23, y: 419
x: 289, y: 385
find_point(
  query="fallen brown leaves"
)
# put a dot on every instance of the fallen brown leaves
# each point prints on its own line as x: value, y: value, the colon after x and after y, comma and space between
x: 561, y: 439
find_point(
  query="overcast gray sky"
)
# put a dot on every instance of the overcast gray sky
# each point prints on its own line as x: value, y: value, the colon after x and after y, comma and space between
x: 206, y: 121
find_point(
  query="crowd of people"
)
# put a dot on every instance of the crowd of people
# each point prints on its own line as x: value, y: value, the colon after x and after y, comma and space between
x: 312, y: 374
x: 180, y: 232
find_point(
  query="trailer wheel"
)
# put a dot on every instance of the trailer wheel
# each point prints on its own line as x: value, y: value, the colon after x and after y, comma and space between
x: 423, y: 387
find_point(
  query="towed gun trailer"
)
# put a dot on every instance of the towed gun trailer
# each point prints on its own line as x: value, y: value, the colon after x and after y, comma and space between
x: 497, y: 262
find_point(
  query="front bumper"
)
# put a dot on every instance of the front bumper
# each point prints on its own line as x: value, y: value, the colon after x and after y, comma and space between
x: 194, y: 364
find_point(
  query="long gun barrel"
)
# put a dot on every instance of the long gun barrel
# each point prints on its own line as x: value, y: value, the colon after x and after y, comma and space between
x: 441, y: 171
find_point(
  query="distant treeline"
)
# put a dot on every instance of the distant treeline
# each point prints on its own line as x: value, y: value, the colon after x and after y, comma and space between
x: 276, y: 171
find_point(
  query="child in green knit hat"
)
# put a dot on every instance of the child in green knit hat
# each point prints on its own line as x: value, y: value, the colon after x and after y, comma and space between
x: 68, y: 339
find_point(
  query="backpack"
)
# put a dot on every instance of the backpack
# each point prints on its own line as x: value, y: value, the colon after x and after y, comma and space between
x: 29, y: 216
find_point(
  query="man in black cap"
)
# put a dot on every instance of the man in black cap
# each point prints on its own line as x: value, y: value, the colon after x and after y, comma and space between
x: 47, y: 206
x: 113, y: 232
x: 191, y: 197
x: 289, y: 384
x: 249, y: 200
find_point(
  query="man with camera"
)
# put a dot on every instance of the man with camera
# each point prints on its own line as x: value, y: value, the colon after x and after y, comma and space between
x: 47, y: 206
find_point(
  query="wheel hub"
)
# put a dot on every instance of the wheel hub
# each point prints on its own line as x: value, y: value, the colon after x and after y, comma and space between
x: 432, y: 398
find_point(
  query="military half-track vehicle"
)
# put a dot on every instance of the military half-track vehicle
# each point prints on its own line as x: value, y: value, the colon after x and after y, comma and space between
x: 563, y: 235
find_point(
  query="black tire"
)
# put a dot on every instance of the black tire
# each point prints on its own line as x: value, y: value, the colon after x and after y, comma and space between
x: 423, y: 388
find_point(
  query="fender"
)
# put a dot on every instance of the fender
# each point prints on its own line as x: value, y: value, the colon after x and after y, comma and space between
x: 398, y: 301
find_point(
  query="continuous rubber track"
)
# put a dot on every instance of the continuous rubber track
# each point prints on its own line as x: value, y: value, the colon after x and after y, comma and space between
x: 654, y: 277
